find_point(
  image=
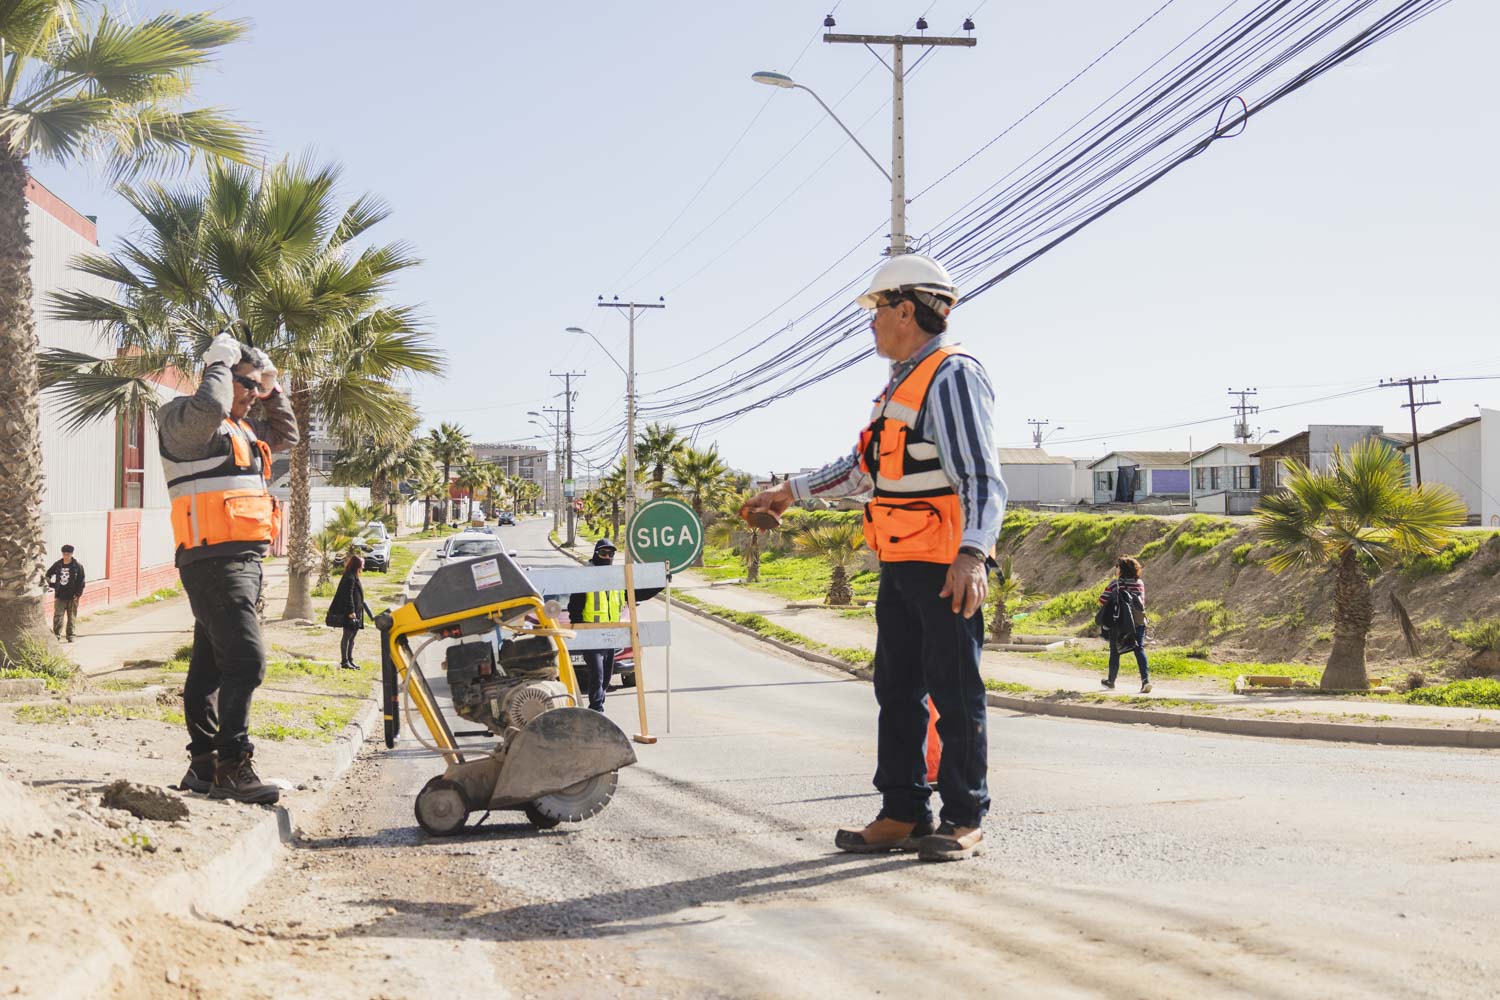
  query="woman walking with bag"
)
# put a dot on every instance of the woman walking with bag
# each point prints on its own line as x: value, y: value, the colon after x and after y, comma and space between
x: 349, y: 610
x: 1122, y: 615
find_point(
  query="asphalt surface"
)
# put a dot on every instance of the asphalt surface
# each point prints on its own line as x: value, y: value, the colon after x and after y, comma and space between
x: 1121, y: 861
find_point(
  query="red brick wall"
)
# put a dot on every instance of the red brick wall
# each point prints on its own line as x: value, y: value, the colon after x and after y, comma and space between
x: 123, y: 578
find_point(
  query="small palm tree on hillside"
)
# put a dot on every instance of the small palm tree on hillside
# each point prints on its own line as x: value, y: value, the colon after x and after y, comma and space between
x: 841, y: 546
x: 1006, y: 590
x: 1358, y: 514
x: 78, y: 83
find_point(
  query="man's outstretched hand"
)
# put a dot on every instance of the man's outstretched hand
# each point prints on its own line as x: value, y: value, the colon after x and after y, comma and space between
x: 968, y: 583
x: 772, y: 501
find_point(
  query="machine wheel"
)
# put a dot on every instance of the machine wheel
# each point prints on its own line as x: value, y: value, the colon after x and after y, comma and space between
x: 579, y: 801
x: 442, y: 807
x: 539, y: 819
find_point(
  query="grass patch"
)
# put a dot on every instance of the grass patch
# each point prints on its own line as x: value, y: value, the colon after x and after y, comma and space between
x: 436, y: 531
x: 1289, y: 619
x: 327, y: 678
x: 1200, y: 533
x: 1481, y: 636
x: 1177, y: 661
x: 1450, y: 556
x: 34, y: 659
x: 284, y: 720
x: 795, y: 578
x: 1067, y: 606
x: 1480, y: 692
x: 40, y: 715
x: 853, y: 655
x: 1221, y: 621
x: 1083, y: 535
x: 327, y: 588
x: 1240, y: 554
x: 157, y: 596
x: 1009, y: 687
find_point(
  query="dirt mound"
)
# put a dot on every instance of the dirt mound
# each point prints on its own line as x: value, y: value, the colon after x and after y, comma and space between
x: 143, y: 801
x: 1207, y: 585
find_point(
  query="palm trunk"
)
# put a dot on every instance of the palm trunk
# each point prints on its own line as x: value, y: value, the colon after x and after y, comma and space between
x: 1353, y: 612
x: 839, y: 591
x: 426, y: 513
x: 22, y: 549
x: 1002, y: 625
x: 300, y: 555
x: 752, y: 558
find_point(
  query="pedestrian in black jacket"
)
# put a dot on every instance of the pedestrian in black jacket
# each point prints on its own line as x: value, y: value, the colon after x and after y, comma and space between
x: 349, y: 610
x: 66, y: 578
x: 1122, y: 617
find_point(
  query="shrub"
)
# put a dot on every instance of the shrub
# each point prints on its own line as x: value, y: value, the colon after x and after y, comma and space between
x: 1220, y: 619
x: 1240, y: 555
x: 1479, y: 636
x: 1200, y: 533
x: 1150, y: 549
x: 1480, y: 692
x: 1460, y: 550
x: 32, y: 658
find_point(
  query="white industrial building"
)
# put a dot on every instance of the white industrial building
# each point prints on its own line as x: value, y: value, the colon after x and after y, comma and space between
x: 1465, y: 455
x: 1033, y: 476
x: 105, y: 493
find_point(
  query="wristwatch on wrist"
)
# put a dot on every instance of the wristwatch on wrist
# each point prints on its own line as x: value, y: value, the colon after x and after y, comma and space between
x: 973, y: 550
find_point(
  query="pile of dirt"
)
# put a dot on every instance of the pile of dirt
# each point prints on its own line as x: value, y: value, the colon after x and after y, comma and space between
x: 1207, y: 585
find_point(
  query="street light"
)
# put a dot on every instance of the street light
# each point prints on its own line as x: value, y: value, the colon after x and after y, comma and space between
x: 629, y: 371
x: 787, y: 83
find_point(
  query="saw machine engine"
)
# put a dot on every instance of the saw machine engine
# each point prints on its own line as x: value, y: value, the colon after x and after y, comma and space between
x: 504, y: 696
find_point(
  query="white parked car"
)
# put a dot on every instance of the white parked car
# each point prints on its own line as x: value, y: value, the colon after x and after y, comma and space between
x: 374, y: 543
x: 469, y: 545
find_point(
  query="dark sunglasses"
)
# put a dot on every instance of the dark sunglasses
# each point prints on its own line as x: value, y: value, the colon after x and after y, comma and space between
x: 246, y: 382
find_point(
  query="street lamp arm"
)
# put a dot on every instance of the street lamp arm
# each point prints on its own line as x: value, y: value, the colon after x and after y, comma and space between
x: 852, y: 138
x: 611, y: 357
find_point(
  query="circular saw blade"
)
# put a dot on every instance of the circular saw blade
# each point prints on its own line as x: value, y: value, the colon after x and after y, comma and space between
x: 578, y: 802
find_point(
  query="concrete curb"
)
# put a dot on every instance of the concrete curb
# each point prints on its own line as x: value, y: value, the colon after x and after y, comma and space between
x: 218, y: 889
x: 143, y: 697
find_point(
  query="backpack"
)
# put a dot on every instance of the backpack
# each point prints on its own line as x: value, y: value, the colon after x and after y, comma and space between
x: 1118, y: 618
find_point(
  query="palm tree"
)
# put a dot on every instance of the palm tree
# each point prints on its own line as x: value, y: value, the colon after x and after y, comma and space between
x: 429, y: 485
x: 730, y: 531
x: 269, y: 253
x: 347, y: 523
x: 474, y: 477
x: 1358, y: 514
x: 379, y: 463
x: 655, y: 449
x: 450, y: 446
x: 92, y: 88
x: 1007, y: 589
x: 841, y: 546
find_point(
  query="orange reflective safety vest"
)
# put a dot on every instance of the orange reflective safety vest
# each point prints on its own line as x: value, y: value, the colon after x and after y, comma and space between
x: 915, y: 515
x: 223, y: 498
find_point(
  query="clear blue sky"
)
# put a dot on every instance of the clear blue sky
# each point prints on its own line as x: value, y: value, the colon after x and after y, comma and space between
x: 533, y: 154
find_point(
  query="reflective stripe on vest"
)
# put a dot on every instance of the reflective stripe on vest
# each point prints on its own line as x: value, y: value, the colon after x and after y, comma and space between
x: 603, y: 605
x: 223, y: 498
x: 916, y: 515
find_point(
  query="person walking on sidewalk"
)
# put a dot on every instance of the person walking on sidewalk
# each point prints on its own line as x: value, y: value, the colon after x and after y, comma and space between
x: 597, y: 606
x: 349, y: 610
x: 1122, y: 620
x: 66, y: 578
x: 938, y: 500
x: 218, y: 464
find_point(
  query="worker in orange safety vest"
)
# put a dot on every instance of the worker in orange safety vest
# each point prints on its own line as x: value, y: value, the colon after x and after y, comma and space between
x: 218, y: 466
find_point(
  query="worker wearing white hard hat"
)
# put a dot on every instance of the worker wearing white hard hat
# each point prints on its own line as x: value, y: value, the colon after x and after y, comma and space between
x: 927, y: 459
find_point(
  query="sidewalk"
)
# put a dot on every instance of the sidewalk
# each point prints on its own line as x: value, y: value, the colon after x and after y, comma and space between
x: 112, y: 637
x: 828, y: 626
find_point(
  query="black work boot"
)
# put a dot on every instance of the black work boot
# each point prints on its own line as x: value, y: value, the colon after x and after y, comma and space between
x: 236, y: 779
x: 200, y: 773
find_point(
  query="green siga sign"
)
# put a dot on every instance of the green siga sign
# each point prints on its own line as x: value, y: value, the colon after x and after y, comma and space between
x: 665, y: 530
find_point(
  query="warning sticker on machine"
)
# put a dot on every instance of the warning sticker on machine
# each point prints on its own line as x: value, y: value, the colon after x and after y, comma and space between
x: 486, y: 574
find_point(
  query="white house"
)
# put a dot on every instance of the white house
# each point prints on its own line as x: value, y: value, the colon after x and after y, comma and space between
x: 105, y: 493
x: 1134, y: 476
x: 1226, y: 479
x: 1033, y: 476
x: 1465, y: 455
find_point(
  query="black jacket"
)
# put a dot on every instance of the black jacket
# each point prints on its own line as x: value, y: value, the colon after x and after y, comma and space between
x: 1119, y: 616
x: 348, y: 605
x: 66, y: 579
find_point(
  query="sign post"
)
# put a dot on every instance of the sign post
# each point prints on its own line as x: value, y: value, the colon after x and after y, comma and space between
x: 667, y: 531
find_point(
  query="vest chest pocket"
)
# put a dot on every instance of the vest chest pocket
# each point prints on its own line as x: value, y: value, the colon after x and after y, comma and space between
x: 892, y: 449
x: 251, y: 516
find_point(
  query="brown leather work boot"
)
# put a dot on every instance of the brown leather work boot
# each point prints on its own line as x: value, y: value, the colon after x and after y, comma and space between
x: 952, y: 843
x: 236, y: 779
x: 200, y: 773
x: 884, y: 834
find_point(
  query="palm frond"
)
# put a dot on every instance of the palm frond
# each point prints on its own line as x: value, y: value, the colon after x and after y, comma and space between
x: 93, y: 389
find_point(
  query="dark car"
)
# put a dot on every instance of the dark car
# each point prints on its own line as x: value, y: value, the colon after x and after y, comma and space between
x: 505, y: 517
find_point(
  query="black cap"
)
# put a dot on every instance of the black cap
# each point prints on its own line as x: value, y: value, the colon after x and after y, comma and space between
x: 602, y: 544
x: 67, y: 548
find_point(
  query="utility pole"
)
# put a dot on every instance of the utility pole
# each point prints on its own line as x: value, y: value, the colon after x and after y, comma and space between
x: 1414, y: 404
x: 897, y: 66
x: 1036, y: 431
x: 1244, y: 409
x: 630, y: 309
x: 568, y: 378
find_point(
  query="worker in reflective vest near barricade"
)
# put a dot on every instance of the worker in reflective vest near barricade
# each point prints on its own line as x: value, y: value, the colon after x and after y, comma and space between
x: 597, y: 606
x: 218, y: 465
x: 928, y: 459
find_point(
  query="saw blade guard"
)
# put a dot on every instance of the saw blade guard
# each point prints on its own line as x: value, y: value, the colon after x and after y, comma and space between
x: 558, y: 750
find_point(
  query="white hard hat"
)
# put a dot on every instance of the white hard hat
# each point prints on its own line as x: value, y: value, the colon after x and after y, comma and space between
x: 915, y: 274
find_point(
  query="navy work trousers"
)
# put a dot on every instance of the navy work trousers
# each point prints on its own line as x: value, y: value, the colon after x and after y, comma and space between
x: 923, y: 648
x: 229, y: 661
x: 593, y: 677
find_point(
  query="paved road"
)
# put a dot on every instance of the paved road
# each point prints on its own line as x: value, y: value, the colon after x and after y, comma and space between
x: 1123, y: 861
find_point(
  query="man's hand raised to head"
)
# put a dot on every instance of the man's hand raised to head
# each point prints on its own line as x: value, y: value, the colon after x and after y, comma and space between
x: 968, y: 583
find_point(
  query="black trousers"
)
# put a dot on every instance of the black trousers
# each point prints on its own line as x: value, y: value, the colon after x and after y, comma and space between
x: 346, y: 645
x: 593, y: 676
x: 922, y: 649
x: 229, y: 660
